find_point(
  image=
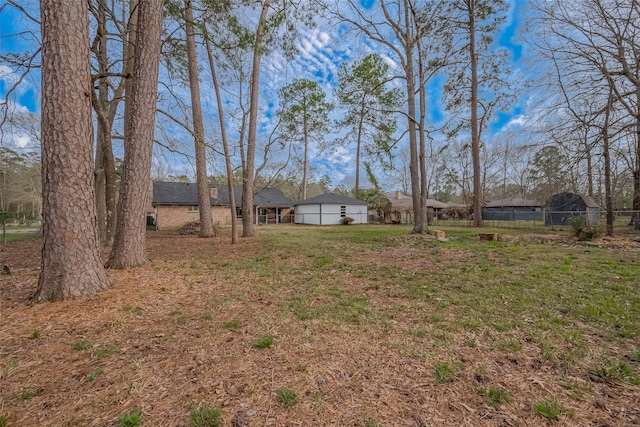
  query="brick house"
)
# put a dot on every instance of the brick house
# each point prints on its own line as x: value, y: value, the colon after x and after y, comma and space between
x: 176, y: 203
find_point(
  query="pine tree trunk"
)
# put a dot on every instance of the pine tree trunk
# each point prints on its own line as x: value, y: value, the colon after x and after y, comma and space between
x: 249, y: 164
x: 636, y: 170
x: 202, y: 184
x: 422, y: 157
x: 225, y: 146
x: 475, y: 131
x: 305, y: 164
x: 358, y: 147
x: 414, y: 167
x: 129, y: 242
x: 71, y: 264
x: 606, y: 158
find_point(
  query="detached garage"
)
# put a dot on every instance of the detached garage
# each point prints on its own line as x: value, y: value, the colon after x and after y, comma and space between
x: 329, y: 209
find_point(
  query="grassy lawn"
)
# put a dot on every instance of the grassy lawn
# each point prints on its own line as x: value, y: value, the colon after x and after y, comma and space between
x: 12, y: 237
x: 574, y: 302
x: 345, y: 325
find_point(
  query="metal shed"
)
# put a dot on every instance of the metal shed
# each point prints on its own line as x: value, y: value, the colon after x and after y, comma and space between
x: 561, y: 207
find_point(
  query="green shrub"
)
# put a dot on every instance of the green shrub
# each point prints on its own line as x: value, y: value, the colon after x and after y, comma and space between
x: 583, y: 230
x: 346, y: 220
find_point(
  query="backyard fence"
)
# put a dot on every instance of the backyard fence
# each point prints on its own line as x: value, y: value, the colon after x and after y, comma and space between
x: 627, y: 221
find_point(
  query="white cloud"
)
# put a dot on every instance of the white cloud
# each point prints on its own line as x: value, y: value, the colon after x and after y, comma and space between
x: 11, y: 78
x: 340, y: 156
x: 8, y: 75
x: 21, y: 140
x: 324, y: 37
x: 517, y: 121
x: 16, y: 109
x: 393, y: 65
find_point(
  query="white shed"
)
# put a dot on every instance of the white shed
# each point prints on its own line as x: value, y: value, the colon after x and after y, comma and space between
x: 329, y: 209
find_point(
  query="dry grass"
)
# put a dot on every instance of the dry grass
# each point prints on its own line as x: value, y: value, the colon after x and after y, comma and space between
x: 349, y: 338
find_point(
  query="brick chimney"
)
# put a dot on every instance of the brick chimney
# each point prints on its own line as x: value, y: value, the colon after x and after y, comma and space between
x: 398, y: 194
x: 213, y: 192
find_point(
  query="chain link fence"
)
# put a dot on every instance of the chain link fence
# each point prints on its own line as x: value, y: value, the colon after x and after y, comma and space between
x: 625, y: 221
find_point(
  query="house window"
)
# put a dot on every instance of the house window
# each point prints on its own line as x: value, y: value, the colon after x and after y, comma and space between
x: 192, y: 209
x: 238, y: 212
x: 343, y: 211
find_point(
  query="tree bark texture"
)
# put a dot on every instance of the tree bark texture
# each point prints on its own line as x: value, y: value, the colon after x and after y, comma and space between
x: 202, y: 184
x: 129, y: 242
x: 71, y: 264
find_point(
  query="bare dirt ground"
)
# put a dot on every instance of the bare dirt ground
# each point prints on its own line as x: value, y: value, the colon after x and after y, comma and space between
x: 157, y: 341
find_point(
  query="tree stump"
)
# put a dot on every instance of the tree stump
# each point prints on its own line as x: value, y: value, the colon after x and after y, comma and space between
x: 492, y: 237
x: 437, y: 233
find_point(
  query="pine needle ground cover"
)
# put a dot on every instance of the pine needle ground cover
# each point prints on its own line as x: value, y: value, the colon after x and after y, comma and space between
x: 343, y: 326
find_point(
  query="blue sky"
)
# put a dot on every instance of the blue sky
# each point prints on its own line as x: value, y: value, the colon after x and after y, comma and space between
x: 320, y: 52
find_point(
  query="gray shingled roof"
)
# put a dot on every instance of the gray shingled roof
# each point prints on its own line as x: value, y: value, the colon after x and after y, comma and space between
x: 269, y: 197
x: 331, y: 199
x: 515, y: 202
x: 185, y: 194
x: 570, y: 201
